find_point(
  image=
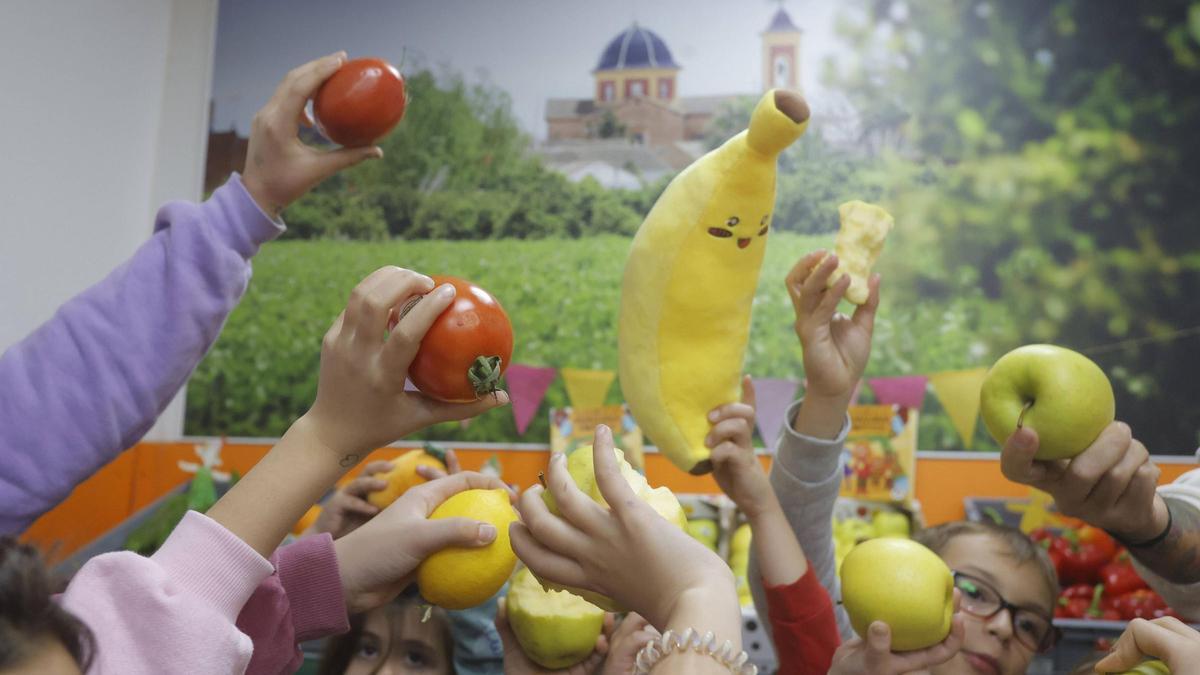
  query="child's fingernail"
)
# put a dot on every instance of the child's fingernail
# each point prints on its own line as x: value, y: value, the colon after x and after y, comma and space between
x: 446, y: 291
x: 557, y: 456
x: 487, y: 532
x: 712, y: 416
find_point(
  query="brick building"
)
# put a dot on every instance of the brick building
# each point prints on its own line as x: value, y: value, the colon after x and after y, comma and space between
x: 636, y: 97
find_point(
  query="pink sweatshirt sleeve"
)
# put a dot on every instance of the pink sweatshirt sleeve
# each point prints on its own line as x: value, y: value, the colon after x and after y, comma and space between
x: 301, y: 601
x: 173, y: 612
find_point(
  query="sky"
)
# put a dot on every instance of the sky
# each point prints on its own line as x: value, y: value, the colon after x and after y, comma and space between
x: 533, y: 49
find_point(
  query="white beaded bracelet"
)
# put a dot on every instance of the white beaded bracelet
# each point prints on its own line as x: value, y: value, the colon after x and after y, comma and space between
x: 657, y: 650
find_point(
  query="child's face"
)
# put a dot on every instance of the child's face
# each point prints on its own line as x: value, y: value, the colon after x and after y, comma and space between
x: 50, y: 657
x: 395, y: 642
x: 989, y: 646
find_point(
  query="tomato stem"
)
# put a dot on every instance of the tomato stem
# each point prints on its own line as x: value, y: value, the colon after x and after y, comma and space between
x: 484, y: 375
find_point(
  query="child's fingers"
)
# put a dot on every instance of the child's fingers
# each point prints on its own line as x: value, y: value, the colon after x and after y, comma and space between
x: 748, y: 394
x: 730, y: 411
x: 613, y: 486
x: 452, y: 465
x: 351, y: 504
x: 363, y: 486
x: 813, y: 290
x: 864, y: 315
x: 737, y: 430
x: 1141, y: 638
x: 333, y: 161
x: 799, y: 273
x: 432, y: 536
x: 406, y: 336
x: 372, y: 300
x: 301, y: 83
x: 432, y: 494
x: 377, y: 466
x: 823, y: 314
x: 1017, y: 462
x: 577, y: 508
x: 430, y: 472
x: 543, y: 562
x: 555, y: 533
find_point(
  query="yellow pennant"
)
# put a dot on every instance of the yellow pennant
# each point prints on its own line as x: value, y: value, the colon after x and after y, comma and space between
x: 587, y: 388
x: 958, y: 390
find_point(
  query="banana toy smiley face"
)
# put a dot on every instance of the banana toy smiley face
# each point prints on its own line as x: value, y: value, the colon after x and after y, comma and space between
x: 690, y: 279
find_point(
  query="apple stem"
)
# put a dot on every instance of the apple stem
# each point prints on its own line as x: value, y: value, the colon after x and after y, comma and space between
x: 1021, y: 417
x: 542, y: 479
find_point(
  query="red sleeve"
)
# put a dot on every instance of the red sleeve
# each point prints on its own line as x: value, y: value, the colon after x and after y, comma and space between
x: 803, y: 626
x: 301, y: 601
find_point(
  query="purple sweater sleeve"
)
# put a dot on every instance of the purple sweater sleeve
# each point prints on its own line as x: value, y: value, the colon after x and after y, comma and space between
x: 89, y: 382
x: 302, y: 601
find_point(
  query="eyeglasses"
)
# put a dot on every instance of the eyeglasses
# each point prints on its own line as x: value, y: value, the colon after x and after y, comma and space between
x: 979, y: 599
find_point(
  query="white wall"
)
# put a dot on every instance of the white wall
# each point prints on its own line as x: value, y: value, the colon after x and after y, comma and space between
x: 103, y: 116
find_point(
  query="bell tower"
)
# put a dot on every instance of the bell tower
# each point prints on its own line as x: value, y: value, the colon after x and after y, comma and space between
x: 781, y: 53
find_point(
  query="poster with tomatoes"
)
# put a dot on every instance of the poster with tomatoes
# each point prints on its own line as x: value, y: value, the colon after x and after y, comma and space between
x: 878, y: 460
x: 571, y: 428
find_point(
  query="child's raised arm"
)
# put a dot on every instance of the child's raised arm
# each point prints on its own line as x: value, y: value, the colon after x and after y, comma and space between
x: 798, y: 609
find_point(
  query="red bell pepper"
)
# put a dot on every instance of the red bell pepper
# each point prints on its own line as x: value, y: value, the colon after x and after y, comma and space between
x: 1119, y: 576
x: 1141, y: 604
x: 1082, y: 562
x: 1083, y: 601
x: 1056, y: 547
x: 1094, y: 535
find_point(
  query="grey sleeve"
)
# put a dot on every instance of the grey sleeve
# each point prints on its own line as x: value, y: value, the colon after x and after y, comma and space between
x: 806, y: 476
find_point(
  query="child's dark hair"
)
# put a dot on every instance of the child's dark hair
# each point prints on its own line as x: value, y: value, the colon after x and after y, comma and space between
x: 29, y: 616
x: 1020, y: 546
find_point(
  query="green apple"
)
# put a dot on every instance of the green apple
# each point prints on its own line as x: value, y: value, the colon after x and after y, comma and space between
x: 556, y: 629
x: 1149, y: 668
x: 581, y: 466
x: 853, y: 530
x: 705, y: 531
x: 1063, y: 395
x: 740, y: 541
x: 903, y: 584
x: 891, y: 524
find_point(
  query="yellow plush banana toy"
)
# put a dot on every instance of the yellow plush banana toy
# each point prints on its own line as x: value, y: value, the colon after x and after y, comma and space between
x: 690, y: 280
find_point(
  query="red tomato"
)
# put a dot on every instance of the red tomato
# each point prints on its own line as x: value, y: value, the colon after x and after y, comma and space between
x: 467, y: 349
x: 360, y: 103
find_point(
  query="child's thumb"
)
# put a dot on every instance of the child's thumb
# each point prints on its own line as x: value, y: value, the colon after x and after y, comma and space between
x: 461, y: 532
x: 879, y: 637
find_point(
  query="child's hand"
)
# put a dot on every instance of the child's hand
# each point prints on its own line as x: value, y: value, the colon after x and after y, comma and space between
x: 629, y: 553
x: 873, y: 656
x: 836, y: 347
x: 1168, y: 639
x: 735, y: 467
x: 379, y: 559
x: 631, y: 635
x: 348, y: 508
x: 1112, y: 484
x: 361, y: 402
x: 279, y: 166
x: 517, y: 663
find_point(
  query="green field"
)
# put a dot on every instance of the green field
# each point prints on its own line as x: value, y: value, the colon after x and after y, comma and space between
x: 562, y: 296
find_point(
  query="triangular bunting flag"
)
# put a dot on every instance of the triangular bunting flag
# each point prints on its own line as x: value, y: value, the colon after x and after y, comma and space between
x: 527, y: 387
x: 907, y: 391
x: 958, y: 390
x: 587, y: 388
x: 772, y: 398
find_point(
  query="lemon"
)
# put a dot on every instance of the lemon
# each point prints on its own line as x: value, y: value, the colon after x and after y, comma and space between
x: 459, y: 578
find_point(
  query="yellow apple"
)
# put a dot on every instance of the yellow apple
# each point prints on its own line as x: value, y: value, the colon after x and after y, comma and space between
x: 903, y: 584
x: 582, y: 468
x: 891, y: 524
x: 556, y: 629
x: 705, y: 531
x: 1149, y: 668
x: 1060, y: 394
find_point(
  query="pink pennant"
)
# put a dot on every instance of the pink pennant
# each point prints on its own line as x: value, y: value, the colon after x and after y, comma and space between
x: 527, y: 387
x: 772, y: 396
x: 907, y: 391
x: 409, y: 386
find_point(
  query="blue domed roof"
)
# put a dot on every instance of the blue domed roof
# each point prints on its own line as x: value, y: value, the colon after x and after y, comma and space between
x: 636, y: 47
